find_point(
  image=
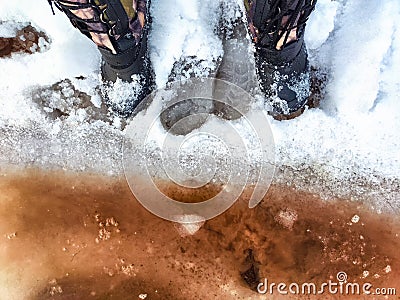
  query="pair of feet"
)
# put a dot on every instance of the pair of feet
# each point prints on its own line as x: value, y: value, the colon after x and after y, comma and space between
x: 120, y: 29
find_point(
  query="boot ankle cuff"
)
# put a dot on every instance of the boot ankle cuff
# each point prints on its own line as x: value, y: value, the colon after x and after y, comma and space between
x: 122, y: 59
x: 281, y: 57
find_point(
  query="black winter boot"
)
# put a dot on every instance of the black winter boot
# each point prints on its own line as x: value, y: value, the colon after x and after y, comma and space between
x: 120, y: 32
x: 277, y: 28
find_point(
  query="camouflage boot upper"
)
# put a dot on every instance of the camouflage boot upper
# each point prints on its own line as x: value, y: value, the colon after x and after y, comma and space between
x: 119, y: 29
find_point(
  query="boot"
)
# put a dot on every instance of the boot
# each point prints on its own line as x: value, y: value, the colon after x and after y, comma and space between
x: 277, y: 28
x: 120, y: 31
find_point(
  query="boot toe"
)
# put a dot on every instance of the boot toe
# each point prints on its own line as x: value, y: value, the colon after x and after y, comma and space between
x: 287, y: 86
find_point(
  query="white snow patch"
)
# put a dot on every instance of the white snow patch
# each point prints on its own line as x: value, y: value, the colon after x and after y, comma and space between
x: 189, y: 224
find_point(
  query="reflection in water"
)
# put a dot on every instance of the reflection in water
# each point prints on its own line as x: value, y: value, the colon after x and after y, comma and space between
x: 81, y: 236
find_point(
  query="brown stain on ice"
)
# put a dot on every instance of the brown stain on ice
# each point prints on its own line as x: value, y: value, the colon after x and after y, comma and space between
x: 80, y: 236
x: 26, y: 40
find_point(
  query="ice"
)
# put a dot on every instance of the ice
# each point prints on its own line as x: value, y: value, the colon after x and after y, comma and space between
x: 189, y: 225
x: 349, y: 147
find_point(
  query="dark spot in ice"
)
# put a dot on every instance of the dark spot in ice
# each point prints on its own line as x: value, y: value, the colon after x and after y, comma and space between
x: 251, y: 274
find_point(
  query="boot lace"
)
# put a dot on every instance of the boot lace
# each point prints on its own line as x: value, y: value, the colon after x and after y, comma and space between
x: 99, y: 21
x: 282, y: 16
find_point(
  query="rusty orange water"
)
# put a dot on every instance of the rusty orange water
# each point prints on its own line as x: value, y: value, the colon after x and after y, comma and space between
x: 81, y: 236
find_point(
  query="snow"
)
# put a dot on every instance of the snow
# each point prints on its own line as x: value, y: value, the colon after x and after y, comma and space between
x: 9, y: 29
x: 183, y: 31
x: 349, y: 147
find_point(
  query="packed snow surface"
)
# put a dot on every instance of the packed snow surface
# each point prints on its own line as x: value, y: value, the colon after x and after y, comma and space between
x: 349, y: 146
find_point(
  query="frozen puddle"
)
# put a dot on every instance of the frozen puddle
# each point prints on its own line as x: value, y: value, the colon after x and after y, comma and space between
x: 74, y: 235
x: 51, y: 114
